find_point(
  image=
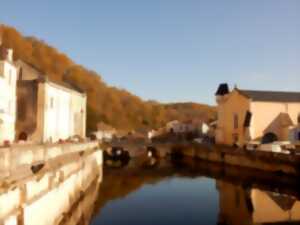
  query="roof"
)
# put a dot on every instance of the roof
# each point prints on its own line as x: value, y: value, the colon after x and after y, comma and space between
x: 271, y: 96
x: 67, y: 85
x: 44, y: 78
x: 283, y: 201
x: 222, y: 89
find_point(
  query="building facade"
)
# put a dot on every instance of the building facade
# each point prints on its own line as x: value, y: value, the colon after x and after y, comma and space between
x: 48, y: 111
x: 246, y: 115
x: 8, y: 77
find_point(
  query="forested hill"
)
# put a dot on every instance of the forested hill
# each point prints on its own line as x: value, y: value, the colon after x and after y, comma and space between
x: 111, y: 105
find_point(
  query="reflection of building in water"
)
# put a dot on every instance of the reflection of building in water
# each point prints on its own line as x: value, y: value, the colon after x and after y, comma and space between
x: 270, y: 207
x: 82, y: 210
x: 240, y: 206
x: 234, y: 203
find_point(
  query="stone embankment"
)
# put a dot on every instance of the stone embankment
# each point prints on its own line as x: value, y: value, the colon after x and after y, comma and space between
x: 40, y: 184
x: 261, y: 160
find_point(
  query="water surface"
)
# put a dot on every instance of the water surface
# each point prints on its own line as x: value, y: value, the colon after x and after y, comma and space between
x: 190, y: 194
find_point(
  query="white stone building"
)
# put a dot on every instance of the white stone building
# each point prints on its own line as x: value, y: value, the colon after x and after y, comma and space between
x: 8, y: 77
x: 48, y: 111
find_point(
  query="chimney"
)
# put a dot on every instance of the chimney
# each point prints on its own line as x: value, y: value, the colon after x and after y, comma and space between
x: 10, y: 55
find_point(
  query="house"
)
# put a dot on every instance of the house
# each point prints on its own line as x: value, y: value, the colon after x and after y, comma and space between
x: 188, y: 126
x: 156, y: 133
x: 105, y: 131
x: 8, y: 77
x: 178, y: 127
x: 48, y: 111
x: 246, y: 115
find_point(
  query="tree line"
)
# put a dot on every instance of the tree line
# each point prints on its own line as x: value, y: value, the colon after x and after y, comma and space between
x: 111, y: 105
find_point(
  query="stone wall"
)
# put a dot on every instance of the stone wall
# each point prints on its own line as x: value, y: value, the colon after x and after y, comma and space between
x: 261, y: 160
x: 43, y: 197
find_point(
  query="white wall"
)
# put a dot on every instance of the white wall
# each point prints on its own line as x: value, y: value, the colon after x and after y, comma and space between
x: 65, y: 113
x: 57, y: 115
x: 8, y: 77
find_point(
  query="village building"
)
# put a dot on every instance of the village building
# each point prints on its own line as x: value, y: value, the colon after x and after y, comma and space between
x: 195, y: 126
x: 266, y: 116
x: 105, y: 131
x: 48, y: 111
x: 188, y: 126
x: 8, y: 77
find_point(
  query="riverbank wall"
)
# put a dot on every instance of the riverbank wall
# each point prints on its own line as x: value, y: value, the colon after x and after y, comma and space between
x: 261, y: 160
x: 41, y: 184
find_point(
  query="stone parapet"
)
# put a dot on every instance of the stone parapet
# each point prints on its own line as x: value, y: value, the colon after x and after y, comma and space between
x: 23, y: 156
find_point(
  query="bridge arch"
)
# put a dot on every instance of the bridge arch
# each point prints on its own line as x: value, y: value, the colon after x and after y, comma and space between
x: 269, y: 138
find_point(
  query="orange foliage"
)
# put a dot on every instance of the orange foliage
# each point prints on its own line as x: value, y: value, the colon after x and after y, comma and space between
x: 113, y: 106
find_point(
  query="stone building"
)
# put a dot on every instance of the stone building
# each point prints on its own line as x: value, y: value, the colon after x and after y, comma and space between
x: 8, y: 77
x: 48, y: 111
x: 245, y: 115
x: 105, y: 131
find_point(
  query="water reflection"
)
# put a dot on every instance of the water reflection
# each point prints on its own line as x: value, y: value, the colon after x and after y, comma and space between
x: 195, y: 193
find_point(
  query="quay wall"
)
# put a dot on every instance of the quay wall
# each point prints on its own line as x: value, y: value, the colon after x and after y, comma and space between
x: 261, y: 160
x: 20, y: 156
x: 46, y: 196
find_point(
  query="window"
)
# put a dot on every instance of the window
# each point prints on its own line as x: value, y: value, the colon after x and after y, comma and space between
x: 10, y: 77
x: 235, y: 121
x: 51, y: 103
x: 248, y: 117
x: 10, y: 107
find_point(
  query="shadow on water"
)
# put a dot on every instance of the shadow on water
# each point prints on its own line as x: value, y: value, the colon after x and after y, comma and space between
x: 239, y: 196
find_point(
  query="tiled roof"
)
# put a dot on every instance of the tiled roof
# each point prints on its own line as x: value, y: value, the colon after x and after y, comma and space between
x: 271, y: 96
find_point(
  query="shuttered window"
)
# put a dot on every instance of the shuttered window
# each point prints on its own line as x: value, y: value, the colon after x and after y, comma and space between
x: 235, y: 121
x: 247, y: 119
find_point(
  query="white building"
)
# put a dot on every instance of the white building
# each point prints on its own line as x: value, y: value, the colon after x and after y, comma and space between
x: 48, y: 111
x: 105, y: 131
x: 8, y: 77
x: 189, y: 126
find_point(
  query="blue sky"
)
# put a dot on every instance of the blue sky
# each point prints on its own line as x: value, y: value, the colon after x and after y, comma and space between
x: 171, y: 50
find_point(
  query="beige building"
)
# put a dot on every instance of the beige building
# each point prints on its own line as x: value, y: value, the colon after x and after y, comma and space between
x: 48, y: 111
x: 245, y: 115
x: 8, y: 77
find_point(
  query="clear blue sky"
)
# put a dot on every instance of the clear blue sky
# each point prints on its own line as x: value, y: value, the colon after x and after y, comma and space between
x: 171, y: 50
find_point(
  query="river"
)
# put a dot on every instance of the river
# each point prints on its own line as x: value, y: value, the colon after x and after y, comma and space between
x: 194, y: 192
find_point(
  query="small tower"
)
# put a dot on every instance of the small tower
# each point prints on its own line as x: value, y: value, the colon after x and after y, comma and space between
x: 222, y: 93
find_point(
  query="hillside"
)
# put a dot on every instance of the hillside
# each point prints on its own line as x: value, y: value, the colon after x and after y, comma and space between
x: 111, y: 105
